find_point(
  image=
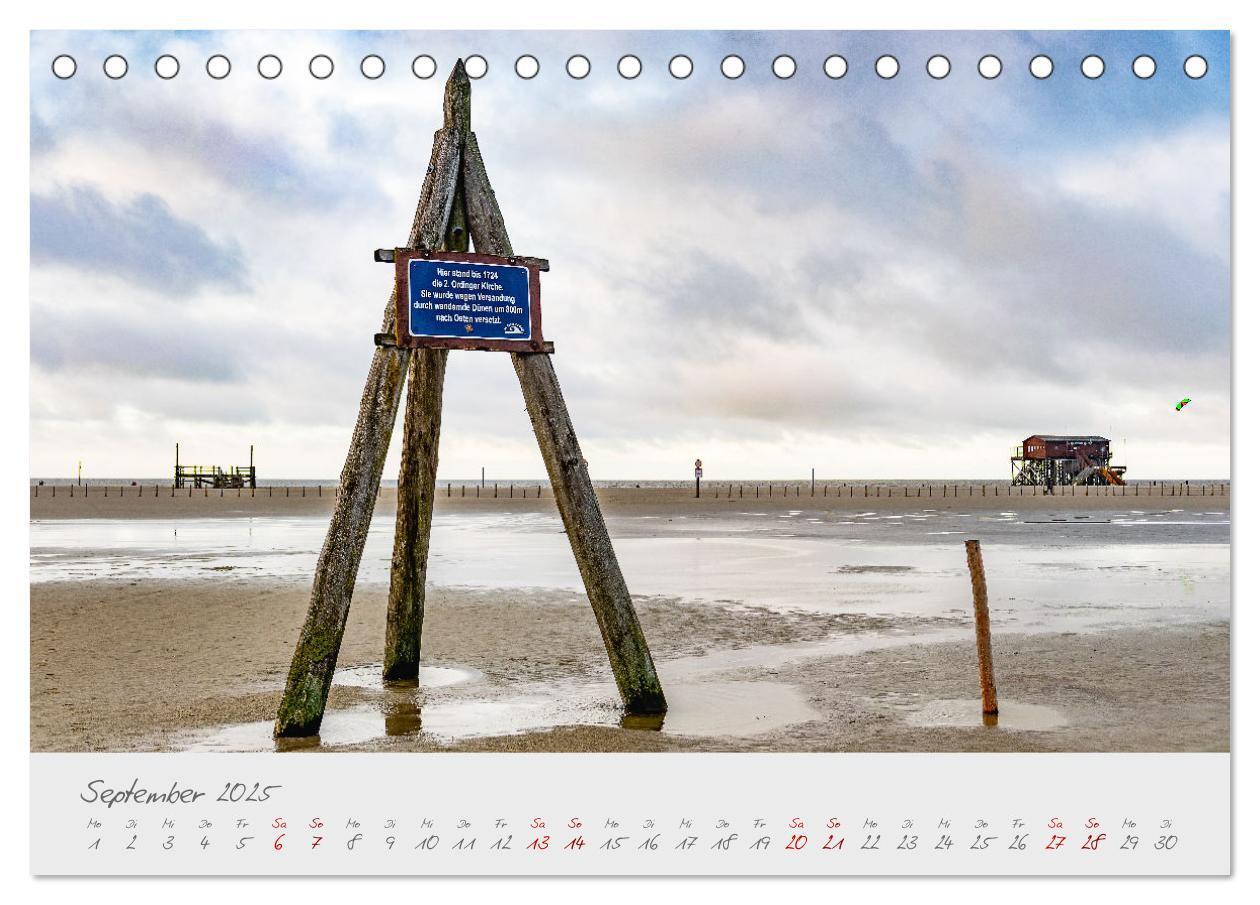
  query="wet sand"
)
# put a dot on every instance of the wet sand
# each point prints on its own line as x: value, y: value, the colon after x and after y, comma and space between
x: 152, y: 664
x: 717, y: 499
x: 778, y: 622
x: 1151, y: 691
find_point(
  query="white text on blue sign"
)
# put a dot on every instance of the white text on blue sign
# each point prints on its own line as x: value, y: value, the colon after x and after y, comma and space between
x: 459, y: 299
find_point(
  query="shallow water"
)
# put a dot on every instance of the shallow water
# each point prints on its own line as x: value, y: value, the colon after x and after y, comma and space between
x: 1055, y: 573
x: 710, y: 708
x: 1012, y: 715
x: 430, y: 676
x: 1145, y: 569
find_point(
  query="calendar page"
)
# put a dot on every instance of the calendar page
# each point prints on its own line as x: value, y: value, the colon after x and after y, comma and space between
x: 544, y: 452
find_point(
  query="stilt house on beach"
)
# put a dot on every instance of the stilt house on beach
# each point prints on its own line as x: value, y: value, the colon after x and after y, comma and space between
x: 1045, y: 460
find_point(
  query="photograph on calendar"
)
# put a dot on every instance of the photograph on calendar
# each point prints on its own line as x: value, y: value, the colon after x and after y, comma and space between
x: 630, y: 391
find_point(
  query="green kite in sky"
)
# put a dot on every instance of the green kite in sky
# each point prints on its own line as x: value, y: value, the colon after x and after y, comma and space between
x: 1183, y: 403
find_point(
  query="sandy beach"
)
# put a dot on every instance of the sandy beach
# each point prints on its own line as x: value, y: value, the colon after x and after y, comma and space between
x: 175, y: 659
x: 822, y: 625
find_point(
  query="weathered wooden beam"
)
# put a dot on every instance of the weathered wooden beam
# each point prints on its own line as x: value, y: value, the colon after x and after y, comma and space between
x: 390, y: 255
x: 315, y: 657
x: 389, y: 340
x: 417, y: 475
x: 417, y: 479
x: 627, y: 648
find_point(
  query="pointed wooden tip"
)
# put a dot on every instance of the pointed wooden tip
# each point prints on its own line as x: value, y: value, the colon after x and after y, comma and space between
x: 457, y: 101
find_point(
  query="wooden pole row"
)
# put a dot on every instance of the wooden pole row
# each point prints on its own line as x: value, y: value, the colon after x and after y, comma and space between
x: 947, y: 490
x: 879, y: 490
x: 121, y: 491
x: 1151, y: 489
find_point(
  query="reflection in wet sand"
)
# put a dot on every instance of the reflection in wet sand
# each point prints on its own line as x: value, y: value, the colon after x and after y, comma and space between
x: 403, y: 715
x: 712, y: 708
x: 369, y: 676
x: 707, y: 709
x: 1012, y: 715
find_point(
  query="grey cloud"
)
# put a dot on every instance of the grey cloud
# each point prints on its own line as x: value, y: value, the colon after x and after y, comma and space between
x: 141, y: 240
x: 708, y: 298
x: 42, y: 137
x: 261, y: 163
x: 66, y: 341
x: 1054, y: 302
x: 1050, y: 272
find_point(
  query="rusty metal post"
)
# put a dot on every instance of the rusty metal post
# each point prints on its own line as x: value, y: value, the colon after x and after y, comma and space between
x: 984, y: 643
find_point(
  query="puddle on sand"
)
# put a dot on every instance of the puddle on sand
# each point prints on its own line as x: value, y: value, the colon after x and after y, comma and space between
x: 730, y: 709
x: 697, y: 709
x: 401, y: 713
x: 1011, y: 715
x: 369, y: 676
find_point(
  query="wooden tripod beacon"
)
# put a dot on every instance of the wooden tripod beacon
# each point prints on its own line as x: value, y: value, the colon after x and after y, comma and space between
x: 445, y: 298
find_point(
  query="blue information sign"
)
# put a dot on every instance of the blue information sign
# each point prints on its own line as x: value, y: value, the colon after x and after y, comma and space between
x: 464, y: 300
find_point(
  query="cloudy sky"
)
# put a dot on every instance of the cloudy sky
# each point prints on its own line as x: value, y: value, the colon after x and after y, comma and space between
x: 875, y: 278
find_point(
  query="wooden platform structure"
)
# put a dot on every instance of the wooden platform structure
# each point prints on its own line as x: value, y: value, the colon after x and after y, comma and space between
x: 234, y: 476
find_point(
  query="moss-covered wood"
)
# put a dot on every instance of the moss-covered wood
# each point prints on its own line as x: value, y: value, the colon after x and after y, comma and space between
x: 315, y: 657
x: 417, y: 472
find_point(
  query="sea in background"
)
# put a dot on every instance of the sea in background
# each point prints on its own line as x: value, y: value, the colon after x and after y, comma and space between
x: 1050, y: 571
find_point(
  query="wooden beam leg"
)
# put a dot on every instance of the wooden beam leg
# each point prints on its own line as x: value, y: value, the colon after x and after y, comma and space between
x: 315, y: 658
x: 311, y: 673
x: 417, y: 478
x: 628, y: 652
x: 417, y: 481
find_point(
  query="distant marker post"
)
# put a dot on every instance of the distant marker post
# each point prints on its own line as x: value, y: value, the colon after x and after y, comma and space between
x: 984, y: 643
